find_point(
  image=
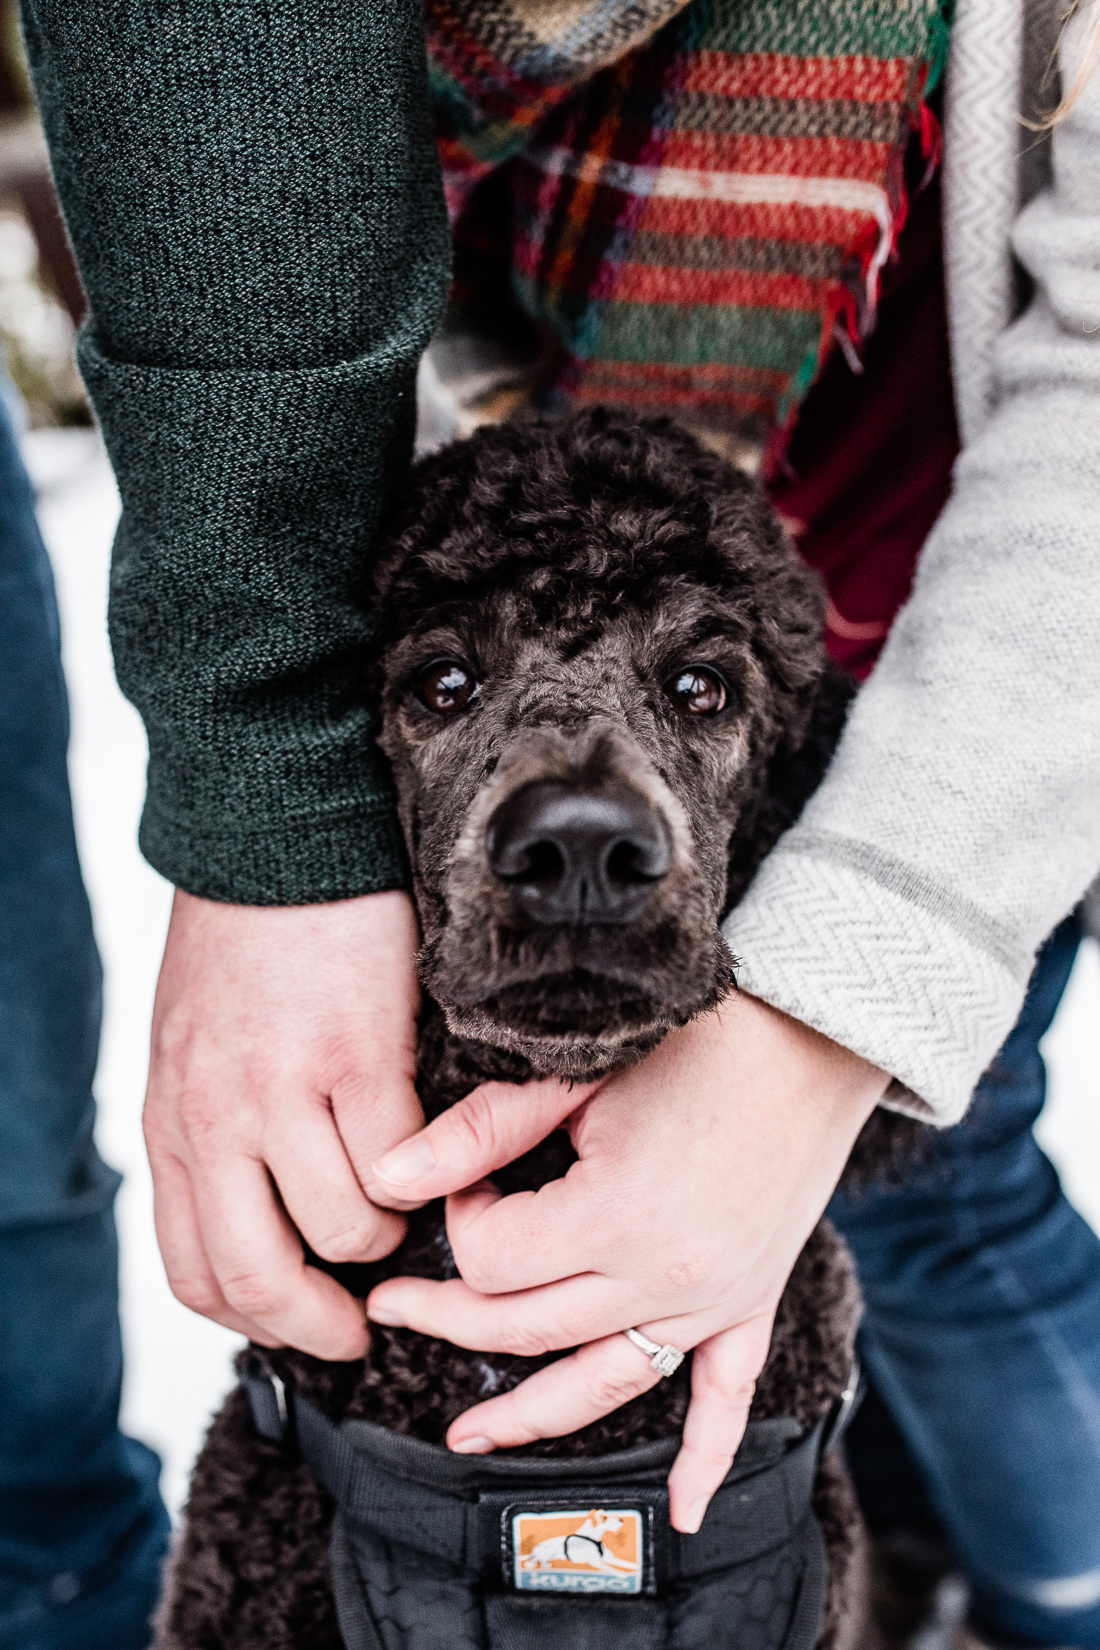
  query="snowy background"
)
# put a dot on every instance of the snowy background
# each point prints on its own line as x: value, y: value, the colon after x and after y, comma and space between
x: 178, y: 1365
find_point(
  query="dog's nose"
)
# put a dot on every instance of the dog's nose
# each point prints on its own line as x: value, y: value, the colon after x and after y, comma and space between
x: 578, y: 857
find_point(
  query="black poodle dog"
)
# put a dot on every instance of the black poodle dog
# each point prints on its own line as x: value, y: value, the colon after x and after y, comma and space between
x: 604, y: 697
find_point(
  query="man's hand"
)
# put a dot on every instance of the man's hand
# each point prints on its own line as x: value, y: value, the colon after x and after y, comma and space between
x: 283, y: 1061
x: 702, y: 1172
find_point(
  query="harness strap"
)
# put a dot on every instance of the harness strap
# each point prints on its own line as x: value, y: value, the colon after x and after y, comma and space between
x: 805, y: 1629
x: 749, y: 1515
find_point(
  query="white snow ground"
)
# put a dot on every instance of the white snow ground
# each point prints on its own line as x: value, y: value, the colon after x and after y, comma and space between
x: 178, y: 1365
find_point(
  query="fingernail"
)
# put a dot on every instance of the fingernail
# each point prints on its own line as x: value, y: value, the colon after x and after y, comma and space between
x: 695, y: 1515
x: 406, y: 1163
x: 472, y: 1446
x: 383, y: 1315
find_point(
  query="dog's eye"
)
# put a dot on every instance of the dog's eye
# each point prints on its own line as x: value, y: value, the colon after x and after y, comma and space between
x: 447, y: 686
x: 695, y: 691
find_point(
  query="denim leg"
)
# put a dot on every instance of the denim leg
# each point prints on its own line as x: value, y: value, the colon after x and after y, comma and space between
x: 982, y: 1335
x: 82, y: 1528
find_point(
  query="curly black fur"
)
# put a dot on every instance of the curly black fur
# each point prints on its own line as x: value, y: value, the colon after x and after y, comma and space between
x: 571, y: 569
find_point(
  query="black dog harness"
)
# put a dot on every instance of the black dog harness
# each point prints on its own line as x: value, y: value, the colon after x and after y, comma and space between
x: 437, y: 1551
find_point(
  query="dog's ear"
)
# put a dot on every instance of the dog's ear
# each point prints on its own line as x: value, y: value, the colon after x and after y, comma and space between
x: 795, y: 771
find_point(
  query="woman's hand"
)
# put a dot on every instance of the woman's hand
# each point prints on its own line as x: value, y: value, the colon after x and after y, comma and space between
x: 701, y: 1173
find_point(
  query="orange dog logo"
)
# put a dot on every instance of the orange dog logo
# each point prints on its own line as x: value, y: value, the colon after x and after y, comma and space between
x: 578, y: 1552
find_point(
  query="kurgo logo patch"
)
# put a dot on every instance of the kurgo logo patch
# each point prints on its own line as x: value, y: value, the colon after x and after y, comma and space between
x: 578, y: 1552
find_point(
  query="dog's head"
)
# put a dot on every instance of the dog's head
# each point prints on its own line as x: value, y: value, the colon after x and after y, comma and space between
x: 599, y: 653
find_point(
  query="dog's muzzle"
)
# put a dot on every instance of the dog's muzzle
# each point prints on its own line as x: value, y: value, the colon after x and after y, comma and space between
x: 431, y: 1548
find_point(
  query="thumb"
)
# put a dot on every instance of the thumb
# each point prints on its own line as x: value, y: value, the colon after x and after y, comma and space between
x: 494, y: 1125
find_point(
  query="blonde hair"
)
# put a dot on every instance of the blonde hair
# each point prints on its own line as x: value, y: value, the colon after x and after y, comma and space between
x: 1084, y: 73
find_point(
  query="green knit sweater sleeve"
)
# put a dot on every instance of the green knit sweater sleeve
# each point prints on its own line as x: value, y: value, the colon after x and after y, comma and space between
x: 253, y: 193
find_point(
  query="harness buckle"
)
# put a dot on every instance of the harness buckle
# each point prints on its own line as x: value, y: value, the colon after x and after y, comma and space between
x: 269, y: 1400
x: 844, y: 1407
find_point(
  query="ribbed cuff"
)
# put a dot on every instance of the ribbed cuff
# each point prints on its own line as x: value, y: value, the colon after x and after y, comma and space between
x: 871, y: 953
x: 307, y: 862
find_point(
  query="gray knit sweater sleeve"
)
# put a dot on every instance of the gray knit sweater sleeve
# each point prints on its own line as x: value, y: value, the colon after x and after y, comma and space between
x: 960, y: 819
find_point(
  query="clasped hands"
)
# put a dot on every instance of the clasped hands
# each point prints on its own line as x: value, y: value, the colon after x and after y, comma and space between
x: 282, y: 1100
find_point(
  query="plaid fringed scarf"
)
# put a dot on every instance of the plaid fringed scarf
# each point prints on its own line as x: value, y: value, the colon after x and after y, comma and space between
x: 703, y: 194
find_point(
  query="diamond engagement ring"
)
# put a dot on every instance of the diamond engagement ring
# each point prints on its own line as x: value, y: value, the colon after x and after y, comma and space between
x: 666, y: 1360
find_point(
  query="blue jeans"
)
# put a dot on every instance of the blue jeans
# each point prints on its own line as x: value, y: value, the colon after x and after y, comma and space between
x: 83, y: 1530
x: 982, y: 1337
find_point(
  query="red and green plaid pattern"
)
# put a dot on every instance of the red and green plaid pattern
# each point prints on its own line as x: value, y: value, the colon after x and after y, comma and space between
x: 698, y: 211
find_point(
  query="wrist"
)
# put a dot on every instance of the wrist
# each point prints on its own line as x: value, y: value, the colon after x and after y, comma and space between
x: 807, y: 1097
x: 854, y: 1081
